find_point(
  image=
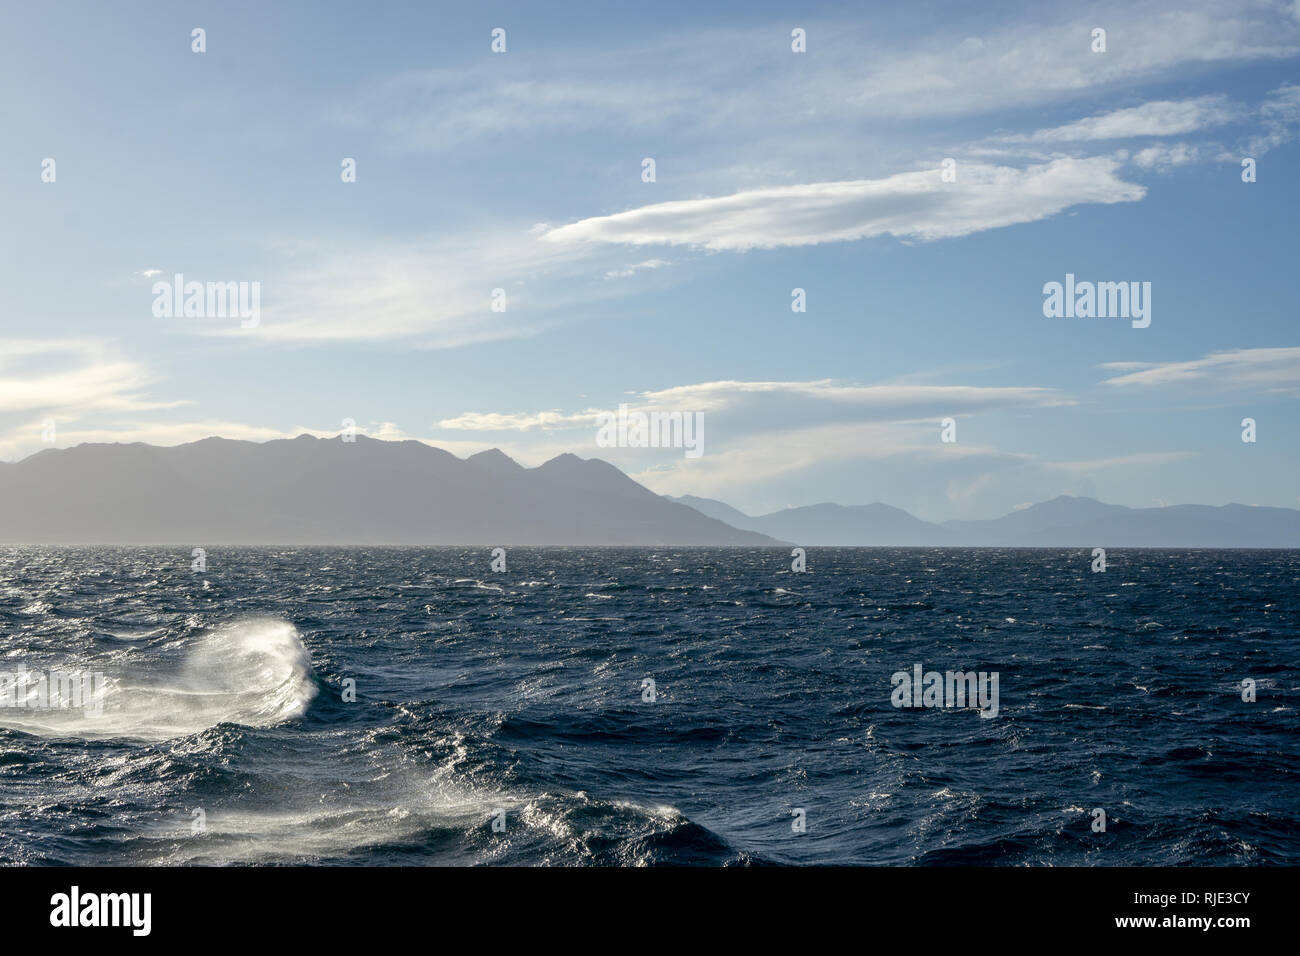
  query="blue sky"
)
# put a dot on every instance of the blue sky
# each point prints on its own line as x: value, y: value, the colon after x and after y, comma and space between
x: 775, y: 170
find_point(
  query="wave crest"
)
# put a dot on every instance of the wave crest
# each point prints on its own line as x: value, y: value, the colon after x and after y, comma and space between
x: 254, y: 672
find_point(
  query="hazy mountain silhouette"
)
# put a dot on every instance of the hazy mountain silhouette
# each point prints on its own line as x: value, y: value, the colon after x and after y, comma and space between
x: 326, y: 491
x: 310, y: 490
x: 1085, y: 522
x: 829, y: 524
x: 1065, y: 521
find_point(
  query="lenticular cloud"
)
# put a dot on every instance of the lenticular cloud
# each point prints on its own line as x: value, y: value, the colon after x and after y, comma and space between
x: 915, y: 205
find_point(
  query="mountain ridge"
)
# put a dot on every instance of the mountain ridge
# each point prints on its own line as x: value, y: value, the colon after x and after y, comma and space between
x: 308, y: 490
x: 1064, y: 521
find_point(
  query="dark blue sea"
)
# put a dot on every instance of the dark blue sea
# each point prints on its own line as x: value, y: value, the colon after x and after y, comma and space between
x: 506, y: 717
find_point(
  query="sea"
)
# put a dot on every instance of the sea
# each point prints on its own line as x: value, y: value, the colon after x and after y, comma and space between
x: 648, y: 706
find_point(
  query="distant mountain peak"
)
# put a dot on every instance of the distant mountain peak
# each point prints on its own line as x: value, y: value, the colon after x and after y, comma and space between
x: 565, y: 458
x: 491, y: 454
x: 496, y: 460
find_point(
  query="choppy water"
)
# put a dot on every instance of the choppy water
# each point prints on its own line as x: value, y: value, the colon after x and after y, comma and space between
x: 522, y: 692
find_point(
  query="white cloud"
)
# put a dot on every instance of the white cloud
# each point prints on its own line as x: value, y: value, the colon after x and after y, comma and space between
x: 1157, y: 118
x: 766, y: 439
x: 634, y: 269
x: 758, y: 432
x: 1030, y: 63
x: 916, y: 205
x: 697, y: 81
x: 518, y: 421
x: 880, y: 402
x: 1274, y: 370
x: 1166, y: 157
x: 1144, y: 459
x: 1280, y: 116
x: 435, y: 292
x: 70, y: 378
x: 763, y: 458
x: 385, y: 431
x: 751, y: 406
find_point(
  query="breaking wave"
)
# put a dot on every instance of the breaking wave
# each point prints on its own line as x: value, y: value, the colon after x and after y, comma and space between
x: 254, y: 672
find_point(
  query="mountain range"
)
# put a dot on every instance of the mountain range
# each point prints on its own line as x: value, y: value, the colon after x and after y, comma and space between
x: 309, y: 490
x: 1063, y: 522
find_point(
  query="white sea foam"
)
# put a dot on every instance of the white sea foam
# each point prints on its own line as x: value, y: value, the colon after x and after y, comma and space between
x: 254, y: 672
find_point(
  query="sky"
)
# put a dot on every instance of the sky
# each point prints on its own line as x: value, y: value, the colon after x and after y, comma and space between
x: 524, y: 171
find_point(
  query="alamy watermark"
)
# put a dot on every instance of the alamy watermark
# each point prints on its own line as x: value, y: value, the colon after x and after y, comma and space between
x: 56, y: 690
x: 922, y: 688
x: 628, y: 429
x: 1098, y: 300
x: 208, y: 300
x: 75, y: 908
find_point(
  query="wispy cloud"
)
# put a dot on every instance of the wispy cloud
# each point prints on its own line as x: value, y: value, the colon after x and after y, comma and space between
x: 915, y: 205
x: 434, y: 292
x: 763, y: 405
x: 631, y: 270
x: 1139, y: 459
x: 851, y: 72
x: 1271, y: 370
x: 1280, y: 117
x: 1156, y: 118
x: 1164, y: 157
x: 879, y: 402
x: 71, y: 377
x: 518, y: 421
x: 735, y: 470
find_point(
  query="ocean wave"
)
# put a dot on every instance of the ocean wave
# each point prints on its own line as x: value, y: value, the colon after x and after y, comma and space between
x: 255, y: 672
